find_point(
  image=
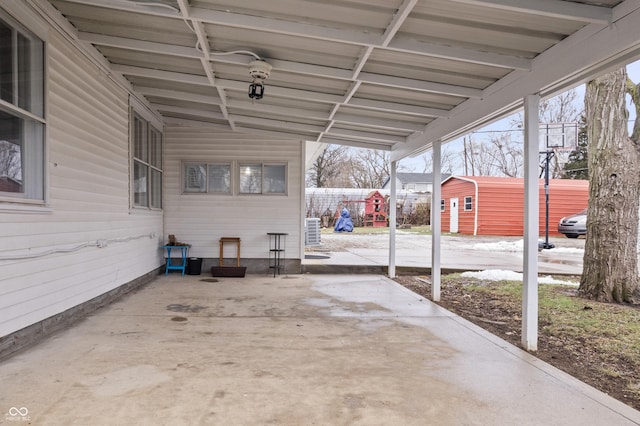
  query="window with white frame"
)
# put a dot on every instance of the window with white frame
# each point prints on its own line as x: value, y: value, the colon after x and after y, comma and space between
x: 212, y: 178
x: 147, y: 164
x: 22, y: 122
x: 259, y: 178
x: 468, y: 204
x: 442, y: 205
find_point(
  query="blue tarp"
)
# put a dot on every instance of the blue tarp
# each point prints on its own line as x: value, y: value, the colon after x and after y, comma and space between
x: 344, y: 223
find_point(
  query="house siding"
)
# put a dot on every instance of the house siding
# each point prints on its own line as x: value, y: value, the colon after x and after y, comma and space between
x: 202, y: 219
x: 88, y: 199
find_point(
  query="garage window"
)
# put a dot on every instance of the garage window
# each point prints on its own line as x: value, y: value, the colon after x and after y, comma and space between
x: 468, y: 204
x: 211, y: 178
x: 22, y: 123
x: 263, y: 178
x: 147, y: 164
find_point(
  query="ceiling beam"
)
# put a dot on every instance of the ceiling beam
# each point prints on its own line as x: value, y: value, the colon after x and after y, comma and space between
x: 356, y: 143
x: 181, y: 96
x: 161, y: 75
x: 264, y: 107
x: 173, y: 121
x: 277, y: 124
x: 190, y: 122
x: 366, y: 136
x: 282, y: 92
x: 278, y: 26
x: 276, y: 134
x: 550, y: 8
x: 157, y: 9
x: 398, y: 20
x: 456, y: 53
x: 377, y: 122
x: 419, y: 85
x: 140, y: 45
x: 395, y: 107
x: 189, y: 111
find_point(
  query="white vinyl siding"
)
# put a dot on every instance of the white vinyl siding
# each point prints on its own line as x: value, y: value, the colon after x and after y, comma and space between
x: 88, y: 169
x: 202, y: 219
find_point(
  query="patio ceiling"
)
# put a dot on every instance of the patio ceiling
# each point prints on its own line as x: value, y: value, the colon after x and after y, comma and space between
x: 386, y: 74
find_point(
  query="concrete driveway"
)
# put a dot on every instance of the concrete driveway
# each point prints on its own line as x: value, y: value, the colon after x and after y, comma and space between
x: 290, y: 350
x: 458, y: 252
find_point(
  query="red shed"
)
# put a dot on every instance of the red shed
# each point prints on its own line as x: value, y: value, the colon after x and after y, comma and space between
x: 483, y: 205
x: 375, y: 210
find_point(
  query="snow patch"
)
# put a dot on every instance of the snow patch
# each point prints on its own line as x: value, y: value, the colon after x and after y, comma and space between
x: 498, y: 246
x: 517, y: 246
x: 502, y: 275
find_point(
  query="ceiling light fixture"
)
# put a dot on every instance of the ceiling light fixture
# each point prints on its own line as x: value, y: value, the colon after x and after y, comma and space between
x: 260, y: 71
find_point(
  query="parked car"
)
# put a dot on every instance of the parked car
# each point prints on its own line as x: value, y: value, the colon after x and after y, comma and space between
x: 574, y: 225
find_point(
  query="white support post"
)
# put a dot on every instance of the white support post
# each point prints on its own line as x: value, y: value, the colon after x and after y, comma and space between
x: 531, y: 220
x: 436, y: 195
x: 392, y: 221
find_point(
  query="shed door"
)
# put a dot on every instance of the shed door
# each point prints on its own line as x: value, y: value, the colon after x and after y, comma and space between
x: 453, y: 215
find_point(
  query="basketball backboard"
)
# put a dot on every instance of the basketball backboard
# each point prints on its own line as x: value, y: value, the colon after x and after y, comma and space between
x: 558, y: 137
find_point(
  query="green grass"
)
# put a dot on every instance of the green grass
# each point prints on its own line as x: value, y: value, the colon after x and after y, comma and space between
x: 611, y: 329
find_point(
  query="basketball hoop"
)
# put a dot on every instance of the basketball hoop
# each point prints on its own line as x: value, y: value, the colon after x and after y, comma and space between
x: 558, y: 137
x: 555, y: 138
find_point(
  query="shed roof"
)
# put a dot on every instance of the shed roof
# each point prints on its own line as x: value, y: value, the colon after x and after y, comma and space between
x: 495, y: 181
x: 415, y: 178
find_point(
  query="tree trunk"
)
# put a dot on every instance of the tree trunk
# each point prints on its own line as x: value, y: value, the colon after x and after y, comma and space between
x: 610, y: 270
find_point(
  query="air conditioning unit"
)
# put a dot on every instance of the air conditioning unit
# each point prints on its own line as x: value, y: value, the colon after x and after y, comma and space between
x: 312, y: 231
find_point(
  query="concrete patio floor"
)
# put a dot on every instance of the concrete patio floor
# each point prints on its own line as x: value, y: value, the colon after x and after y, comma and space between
x: 290, y: 350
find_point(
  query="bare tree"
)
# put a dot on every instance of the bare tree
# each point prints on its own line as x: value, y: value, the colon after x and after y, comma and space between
x: 448, y: 160
x: 610, y: 271
x: 560, y: 109
x: 327, y: 167
x: 480, y: 158
x: 369, y: 168
x: 506, y: 154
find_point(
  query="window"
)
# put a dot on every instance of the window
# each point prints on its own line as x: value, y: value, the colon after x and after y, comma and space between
x: 22, y: 123
x: 468, y: 204
x: 263, y: 178
x: 147, y: 164
x: 214, y: 178
x: 441, y: 205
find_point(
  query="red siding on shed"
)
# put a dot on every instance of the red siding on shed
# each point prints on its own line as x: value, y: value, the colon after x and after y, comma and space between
x: 500, y: 204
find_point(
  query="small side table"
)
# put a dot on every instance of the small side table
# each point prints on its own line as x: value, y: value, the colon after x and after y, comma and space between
x: 276, y: 249
x: 234, y: 240
x: 184, y: 251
